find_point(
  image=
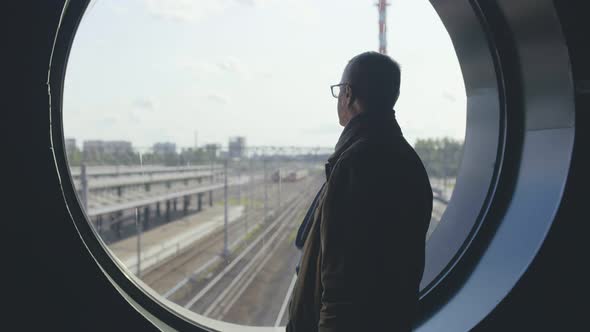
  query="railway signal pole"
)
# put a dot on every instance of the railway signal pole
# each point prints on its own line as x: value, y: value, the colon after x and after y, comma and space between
x: 279, y: 196
x: 247, y: 194
x: 265, y: 190
x: 225, y: 217
x: 239, y: 164
x: 84, y: 185
x: 138, y: 227
x: 212, y: 171
x: 138, y: 223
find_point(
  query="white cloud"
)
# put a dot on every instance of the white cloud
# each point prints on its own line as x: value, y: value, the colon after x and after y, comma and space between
x: 226, y: 65
x: 144, y: 104
x: 106, y: 122
x: 230, y: 64
x: 197, y: 66
x: 248, y: 2
x: 185, y: 10
x: 254, y: 3
x: 235, y: 66
x: 118, y: 8
x: 193, y: 10
x: 217, y: 98
x: 449, y: 96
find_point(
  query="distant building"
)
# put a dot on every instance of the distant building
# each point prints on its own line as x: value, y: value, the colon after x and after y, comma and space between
x: 164, y: 148
x: 222, y: 154
x: 212, y: 150
x: 97, y: 150
x: 70, y: 145
x: 237, y: 147
x: 93, y: 150
x: 118, y: 147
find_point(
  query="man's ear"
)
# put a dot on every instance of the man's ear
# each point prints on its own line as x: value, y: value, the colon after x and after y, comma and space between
x: 350, y: 95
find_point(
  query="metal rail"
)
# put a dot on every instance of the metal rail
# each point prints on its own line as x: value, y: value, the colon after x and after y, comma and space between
x: 142, y: 180
x: 126, y: 170
x: 150, y: 200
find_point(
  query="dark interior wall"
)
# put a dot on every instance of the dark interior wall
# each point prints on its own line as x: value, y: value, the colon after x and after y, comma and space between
x: 553, y: 293
x: 52, y: 283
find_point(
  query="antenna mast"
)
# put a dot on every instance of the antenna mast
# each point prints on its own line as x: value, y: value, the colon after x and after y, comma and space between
x: 382, y: 6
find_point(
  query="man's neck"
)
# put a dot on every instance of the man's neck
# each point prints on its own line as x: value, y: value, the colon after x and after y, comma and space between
x: 353, y: 114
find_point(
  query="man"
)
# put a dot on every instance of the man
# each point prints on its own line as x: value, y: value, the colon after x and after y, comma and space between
x: 364, y: 236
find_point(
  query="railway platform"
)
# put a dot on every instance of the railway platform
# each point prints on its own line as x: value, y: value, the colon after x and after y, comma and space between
x: 165, y: 241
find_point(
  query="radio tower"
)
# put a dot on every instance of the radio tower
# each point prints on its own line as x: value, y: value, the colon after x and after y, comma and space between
x: 382, y: 5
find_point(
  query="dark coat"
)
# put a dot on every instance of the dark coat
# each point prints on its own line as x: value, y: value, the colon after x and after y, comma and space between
x: 363, y: 254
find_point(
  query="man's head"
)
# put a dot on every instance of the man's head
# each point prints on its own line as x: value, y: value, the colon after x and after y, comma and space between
x: 370, y: 83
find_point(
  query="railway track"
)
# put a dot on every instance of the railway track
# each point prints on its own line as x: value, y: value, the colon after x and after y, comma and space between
x: 183, y: 271
x: 204, y: 249
x: 218, y: 295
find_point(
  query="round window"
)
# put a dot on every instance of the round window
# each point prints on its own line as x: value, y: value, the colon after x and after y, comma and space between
x: 196, y: 134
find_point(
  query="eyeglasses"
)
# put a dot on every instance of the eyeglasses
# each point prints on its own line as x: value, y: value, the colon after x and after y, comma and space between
x: 336, y: 89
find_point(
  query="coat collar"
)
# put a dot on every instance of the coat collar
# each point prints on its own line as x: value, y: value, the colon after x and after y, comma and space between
x: 365, y: 125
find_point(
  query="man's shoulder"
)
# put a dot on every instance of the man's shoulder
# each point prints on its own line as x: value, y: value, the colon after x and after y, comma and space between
x: 367, y: 150
x: 381, y: 159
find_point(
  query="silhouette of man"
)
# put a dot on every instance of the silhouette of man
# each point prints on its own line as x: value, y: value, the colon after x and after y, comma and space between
x: 363, y: 238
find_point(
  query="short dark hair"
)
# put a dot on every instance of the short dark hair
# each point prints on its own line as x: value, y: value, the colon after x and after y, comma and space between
x: 375, y: 80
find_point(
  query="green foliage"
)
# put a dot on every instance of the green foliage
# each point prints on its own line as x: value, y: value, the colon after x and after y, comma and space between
x: 75, y: 157
x: 441, y: 156
x: 186, y: 157
x: 168, y: 159
x: 194, y: 156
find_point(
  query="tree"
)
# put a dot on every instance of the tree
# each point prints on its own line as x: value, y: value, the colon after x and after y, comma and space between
x: 441, y: 156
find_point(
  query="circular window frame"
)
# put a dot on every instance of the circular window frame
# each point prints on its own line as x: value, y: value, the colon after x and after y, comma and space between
x: 483, y: 149
x: 481, y: 203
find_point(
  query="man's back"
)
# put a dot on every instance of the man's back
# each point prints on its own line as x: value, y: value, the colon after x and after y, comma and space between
x: 364, y: 256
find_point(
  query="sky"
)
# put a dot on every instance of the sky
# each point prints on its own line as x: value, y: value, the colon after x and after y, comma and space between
x: 201, y: 71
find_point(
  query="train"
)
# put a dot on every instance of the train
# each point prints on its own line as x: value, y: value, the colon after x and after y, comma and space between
x: 289, y: 175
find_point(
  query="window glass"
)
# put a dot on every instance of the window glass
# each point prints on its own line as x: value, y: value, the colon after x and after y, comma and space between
x: 197, y: 132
